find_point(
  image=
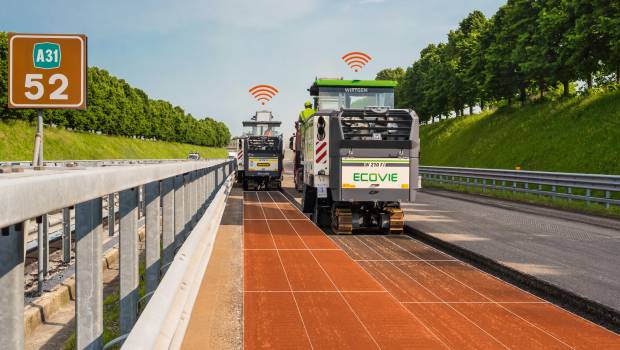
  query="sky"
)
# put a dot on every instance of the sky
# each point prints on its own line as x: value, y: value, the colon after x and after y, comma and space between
x: 205, y: 55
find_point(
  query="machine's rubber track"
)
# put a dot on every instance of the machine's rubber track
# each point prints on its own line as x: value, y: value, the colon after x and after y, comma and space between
x: 397, y: 220
x: 342, y: 221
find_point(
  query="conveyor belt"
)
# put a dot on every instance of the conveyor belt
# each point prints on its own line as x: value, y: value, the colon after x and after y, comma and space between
x: 303, y: 289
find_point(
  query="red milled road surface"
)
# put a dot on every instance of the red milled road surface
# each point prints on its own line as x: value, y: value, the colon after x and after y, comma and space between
x: 305, y: 290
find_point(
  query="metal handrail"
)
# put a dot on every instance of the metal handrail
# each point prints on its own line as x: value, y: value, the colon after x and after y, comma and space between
x: 57, y: 189
x: 176, y: 196
x: 509, y: 180
x: 163, y: 322
x: 91, y: 162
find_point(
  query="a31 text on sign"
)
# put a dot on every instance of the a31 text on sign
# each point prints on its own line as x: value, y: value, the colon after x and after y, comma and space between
x: 47, y: 71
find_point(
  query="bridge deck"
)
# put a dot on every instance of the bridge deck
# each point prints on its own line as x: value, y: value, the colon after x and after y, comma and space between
x: 303, y: 289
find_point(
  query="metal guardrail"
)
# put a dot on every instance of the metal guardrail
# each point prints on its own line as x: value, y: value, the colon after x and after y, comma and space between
x: 176, y: 195
x: 89, y: 163
x: 559, y: 185
x: 163, y: 322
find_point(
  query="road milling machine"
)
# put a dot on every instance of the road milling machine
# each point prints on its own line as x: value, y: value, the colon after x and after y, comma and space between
x: 260, y: 153
x: 359, y: 156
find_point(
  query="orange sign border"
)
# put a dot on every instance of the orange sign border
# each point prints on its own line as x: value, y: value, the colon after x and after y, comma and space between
x: 84, y: 81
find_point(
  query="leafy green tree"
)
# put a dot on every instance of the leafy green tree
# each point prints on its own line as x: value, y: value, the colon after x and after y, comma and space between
x: 555, y: 22
x: 465, y: 44
x: 502, y: 77
x: 395, y: 74
x: 587, y: 40
x: 530, y: 49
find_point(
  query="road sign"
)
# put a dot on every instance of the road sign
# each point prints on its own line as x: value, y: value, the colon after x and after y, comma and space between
x: 47, y: 71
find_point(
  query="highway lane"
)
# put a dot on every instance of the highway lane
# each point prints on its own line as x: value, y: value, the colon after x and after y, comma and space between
x: 576, y: 256
x: 574, y: 252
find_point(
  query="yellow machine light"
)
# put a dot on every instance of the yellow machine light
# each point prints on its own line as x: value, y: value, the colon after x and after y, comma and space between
x: 404, y: 186
x: 348, y: 186
x: 263, y: 164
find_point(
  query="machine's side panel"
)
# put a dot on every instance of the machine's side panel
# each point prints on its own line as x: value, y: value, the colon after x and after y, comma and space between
x: 321, y: 154
x: 335, y: 155
x: 308, y: 151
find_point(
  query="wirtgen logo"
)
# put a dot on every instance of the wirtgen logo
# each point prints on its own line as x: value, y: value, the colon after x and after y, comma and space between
x: 374, y: 177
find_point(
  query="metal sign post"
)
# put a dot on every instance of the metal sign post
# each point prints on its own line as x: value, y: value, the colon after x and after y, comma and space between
x: 47, y: 71
x: 37, y: 158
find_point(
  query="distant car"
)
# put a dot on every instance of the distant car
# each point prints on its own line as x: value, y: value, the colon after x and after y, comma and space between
x: 232, y: 154
x: 193, y: 156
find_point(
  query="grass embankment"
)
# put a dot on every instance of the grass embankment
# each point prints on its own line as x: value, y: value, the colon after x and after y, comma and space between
x: 17, y: 140
x: 581, y: 135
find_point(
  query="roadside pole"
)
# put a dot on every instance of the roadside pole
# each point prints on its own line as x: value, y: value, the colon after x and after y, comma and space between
x: 37, y: 159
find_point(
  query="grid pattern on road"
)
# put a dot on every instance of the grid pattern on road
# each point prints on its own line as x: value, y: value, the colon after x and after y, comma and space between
x: 303, y: 289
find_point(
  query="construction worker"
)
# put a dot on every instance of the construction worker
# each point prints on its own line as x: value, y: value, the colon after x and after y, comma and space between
x: 306, y: 113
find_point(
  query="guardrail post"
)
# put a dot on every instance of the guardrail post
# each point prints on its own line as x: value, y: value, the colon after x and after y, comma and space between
x: 197, y: 207
x: 111, y: 214
x: 607, y: 196
x: 66, y: 235
x: 202, y: 191
x: 588, y: 195
x: 12, y: 286
x: 128, y: 243
x: 42, y: 250
x: 205, y: 188
x: 209, y: 184
x: 153, y: 241
x: 178, y: 210
x: 187, y: 205
x: 197, y: 195
x: 140, y: 194
x: 569, y: 191
x: 540, y: 190
x: 167, y: 190
x: 193, y: 193
x: 89, y: 275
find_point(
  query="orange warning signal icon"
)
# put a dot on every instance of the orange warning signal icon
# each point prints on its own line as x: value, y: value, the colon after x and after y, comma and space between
x: 263, y: 93
x: 356, y: 60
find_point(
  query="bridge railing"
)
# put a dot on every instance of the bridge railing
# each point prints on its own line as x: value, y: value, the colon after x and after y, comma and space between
x: 176, y: 196
x: 591, y: 188
x: 88, y: 162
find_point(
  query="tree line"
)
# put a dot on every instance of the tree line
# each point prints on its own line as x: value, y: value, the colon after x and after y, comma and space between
x: 117, y: 108
x: 527, y: 49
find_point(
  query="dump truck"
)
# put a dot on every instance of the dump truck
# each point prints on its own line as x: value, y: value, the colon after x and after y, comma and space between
x: 359, y: 156
x: 260, y: 153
